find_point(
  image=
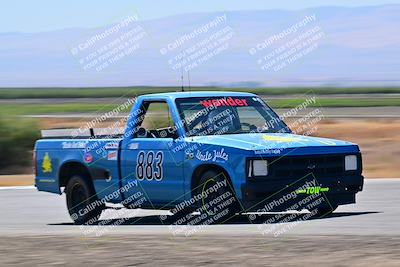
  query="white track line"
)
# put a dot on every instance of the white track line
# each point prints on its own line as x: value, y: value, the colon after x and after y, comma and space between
x: 17, y: 187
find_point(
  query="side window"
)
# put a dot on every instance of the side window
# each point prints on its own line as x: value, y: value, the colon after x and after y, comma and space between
x: 157, y: 121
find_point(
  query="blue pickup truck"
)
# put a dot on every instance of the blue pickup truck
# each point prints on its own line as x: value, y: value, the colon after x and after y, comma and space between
x: 197, y: 151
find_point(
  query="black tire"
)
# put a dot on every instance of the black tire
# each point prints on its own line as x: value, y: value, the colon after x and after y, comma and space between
x: 82, y: 203
x: 209, y: 203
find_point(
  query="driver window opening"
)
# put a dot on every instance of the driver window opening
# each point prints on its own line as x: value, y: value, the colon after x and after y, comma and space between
x: 157, y: 121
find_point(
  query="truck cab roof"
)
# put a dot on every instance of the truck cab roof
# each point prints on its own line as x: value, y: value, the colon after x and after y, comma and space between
x: 175, y: 95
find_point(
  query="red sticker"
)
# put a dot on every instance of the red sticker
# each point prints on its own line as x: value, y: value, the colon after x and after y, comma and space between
x: 88, y: 158
x: 224, y: 102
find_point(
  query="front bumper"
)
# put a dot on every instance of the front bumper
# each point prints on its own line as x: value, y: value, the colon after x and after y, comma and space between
x: 280, y: 194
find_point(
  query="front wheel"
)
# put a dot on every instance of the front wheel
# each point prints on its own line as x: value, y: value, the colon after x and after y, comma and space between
x: 217, y: 197
x: 82, y: 203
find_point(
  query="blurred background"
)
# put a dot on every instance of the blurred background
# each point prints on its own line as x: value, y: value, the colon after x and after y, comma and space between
x: 79, y: 60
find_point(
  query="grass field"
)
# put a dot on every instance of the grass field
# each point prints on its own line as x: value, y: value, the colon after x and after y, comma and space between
x: 31, y: 109
x: 25, y: 109
x: 101, y: 92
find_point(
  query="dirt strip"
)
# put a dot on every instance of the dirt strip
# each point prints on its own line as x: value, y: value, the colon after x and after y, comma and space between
x: 16, y: 180
x: 200, y: 251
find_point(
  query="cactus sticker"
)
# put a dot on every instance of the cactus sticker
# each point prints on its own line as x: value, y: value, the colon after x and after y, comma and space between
x: 46, y: 164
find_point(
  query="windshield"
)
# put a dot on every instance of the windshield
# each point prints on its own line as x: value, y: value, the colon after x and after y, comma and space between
x: 228, y: 115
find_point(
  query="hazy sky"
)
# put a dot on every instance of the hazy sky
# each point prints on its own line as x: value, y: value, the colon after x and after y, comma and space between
x: 45, y: 15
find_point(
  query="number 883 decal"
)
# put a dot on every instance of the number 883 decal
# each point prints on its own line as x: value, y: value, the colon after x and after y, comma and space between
x: 149, y: 165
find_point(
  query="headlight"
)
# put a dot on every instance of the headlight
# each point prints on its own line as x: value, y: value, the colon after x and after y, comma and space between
x: 350, y: 163
x: 258, y: 167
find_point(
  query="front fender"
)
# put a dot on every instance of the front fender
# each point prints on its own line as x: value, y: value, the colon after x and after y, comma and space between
x: 233, y: 162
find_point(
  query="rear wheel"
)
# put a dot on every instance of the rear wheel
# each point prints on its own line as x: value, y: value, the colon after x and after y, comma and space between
x: 82, y: 203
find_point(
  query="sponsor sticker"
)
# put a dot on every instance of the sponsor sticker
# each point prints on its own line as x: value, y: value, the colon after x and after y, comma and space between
x: 133, y: 146
x: 111, y: 145
x: 224, y: 102
x: 313, y: 190
x: 282, y: 139
x: 269, y: 151
x: 47, y: 180
x: 215, y: 155
x: 46, y: 164
x: 112, y: 155
x: 88, y: 158
x: 74, y: 144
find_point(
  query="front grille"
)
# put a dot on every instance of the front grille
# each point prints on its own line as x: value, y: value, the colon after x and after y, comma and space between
x: 300, y: 166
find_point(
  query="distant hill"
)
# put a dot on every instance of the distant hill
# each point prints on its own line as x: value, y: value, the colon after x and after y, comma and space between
x: 359, y: 46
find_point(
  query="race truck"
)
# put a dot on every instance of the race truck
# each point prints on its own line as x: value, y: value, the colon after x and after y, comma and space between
x: 189, y: 152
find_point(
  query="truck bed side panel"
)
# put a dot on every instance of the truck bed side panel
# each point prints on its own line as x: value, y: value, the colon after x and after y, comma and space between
x: 99, y: 156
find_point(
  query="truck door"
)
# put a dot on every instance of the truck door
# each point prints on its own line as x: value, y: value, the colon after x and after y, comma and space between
x: 150, y: 157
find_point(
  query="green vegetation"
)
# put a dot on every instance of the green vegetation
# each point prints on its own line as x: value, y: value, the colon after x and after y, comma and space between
x: 336, y: 102
x: 31, y: 109
x: 17, y: 138
x: 101, y: 92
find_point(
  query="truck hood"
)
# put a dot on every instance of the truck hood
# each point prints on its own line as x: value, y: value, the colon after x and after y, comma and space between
x: 276, y: 143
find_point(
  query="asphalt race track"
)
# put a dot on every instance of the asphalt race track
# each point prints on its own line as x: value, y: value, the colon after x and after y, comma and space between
x: 36, y: 229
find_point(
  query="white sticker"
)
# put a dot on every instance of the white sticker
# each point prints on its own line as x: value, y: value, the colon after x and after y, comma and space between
x: 133, y: 146
x: 111, y: 145
x: 217, y: 156
x: 74, y: 144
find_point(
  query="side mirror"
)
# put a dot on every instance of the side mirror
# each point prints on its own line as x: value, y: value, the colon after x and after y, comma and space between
x: 175, y: 135
x: 141, y: 132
